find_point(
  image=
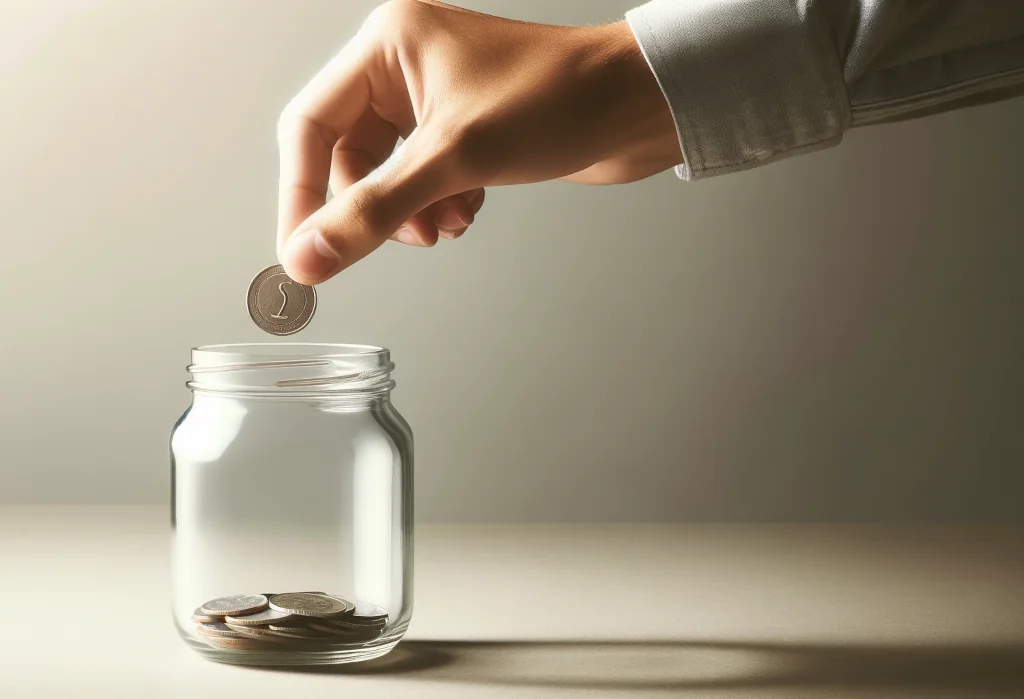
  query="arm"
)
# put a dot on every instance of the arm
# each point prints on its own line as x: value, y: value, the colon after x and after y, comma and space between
x: 480, y: 101
x: 754, y: 81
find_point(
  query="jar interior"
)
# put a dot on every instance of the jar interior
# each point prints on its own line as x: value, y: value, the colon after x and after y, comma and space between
x: 287, y: 478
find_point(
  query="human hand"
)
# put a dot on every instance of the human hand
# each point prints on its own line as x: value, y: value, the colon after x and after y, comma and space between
x: 479, y: 101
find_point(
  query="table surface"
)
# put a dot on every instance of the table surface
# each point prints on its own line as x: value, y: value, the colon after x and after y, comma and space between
x: 553, y: 611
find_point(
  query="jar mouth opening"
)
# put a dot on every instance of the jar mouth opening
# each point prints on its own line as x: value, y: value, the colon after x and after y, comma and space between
x: 261, y: 351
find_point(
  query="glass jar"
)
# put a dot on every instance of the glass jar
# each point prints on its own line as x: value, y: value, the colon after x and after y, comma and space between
x: 291, y: 472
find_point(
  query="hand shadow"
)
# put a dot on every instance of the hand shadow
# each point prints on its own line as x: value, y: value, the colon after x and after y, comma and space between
x: 973, y: 670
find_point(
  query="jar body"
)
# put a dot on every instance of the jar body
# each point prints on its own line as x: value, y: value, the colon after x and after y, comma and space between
x: 292, y: 492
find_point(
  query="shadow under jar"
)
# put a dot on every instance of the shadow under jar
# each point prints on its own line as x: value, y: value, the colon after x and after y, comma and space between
x: 291, y: 472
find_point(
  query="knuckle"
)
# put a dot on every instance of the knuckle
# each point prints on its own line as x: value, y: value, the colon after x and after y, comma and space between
x: 293, y: 125
x: 288, y: 123
x: 388, y: 16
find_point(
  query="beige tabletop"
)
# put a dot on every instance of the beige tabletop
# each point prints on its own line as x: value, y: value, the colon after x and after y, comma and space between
x: 553, y: 611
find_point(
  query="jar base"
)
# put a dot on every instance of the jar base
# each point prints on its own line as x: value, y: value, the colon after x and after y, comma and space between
x: 261, y: 658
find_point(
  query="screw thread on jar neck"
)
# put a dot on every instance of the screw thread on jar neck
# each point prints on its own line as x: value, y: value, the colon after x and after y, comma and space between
x: 293, y: 370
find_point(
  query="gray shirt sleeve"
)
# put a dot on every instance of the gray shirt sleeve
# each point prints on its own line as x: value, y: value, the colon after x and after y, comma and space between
x: 754, y: 81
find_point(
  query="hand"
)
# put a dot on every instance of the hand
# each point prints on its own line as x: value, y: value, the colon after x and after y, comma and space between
x: 478, y: 101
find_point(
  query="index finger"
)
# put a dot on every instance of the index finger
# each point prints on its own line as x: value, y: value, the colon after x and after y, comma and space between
x: 308, y: 129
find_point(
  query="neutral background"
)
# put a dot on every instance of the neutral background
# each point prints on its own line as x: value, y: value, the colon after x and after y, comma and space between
x: 833, y: 337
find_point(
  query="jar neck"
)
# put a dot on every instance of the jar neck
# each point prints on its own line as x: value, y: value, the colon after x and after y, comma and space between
x: 322, y: 372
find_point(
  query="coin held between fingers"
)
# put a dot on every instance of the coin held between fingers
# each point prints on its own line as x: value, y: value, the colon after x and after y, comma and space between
x: 278, y: 304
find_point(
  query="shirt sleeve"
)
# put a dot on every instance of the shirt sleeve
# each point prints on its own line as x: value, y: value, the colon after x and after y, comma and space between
x: 750, y: 82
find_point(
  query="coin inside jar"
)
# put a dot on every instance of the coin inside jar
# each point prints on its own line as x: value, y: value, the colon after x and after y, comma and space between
x: 278, y: 304
x: 306, y: 604
x: 234, y: 605
x: 262, y: 618
x: 216, y: 629
x: 367, y: 612
x: 257, y: 632
x: 294, y: 621
x: 301, y: 631
x: 198, y: 616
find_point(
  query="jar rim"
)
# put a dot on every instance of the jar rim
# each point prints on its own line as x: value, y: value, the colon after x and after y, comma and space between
x: 305, y: 350
x: 295, y: 369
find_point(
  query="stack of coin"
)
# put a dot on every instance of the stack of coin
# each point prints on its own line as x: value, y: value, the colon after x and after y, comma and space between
x: 288, y: 621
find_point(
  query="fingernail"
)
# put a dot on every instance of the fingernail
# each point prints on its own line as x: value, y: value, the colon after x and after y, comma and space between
x: 451, y: 235
x: 450, y: 219
x: 309, y: 256
x: 407, y: 235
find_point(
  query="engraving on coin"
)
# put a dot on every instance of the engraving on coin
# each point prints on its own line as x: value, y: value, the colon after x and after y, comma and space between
x: 263, y: 618
x: 235, y: 605
x: 305, y: 604
x: 278, y: 304
x: 284, y: 302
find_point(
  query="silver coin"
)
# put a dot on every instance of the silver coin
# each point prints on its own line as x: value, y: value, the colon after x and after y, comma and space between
x: 348, y: 623
x: 278, y: 304
x: 300, y: 631
x: 234, y: 605
x: 199, y: 617
x: 308, y: 604
x: 333, y: 629
x: 367, y: 611
x: 350, y: 634
x: 374, y: 628
x: 263, y: 618
x: 216, y: 628
x: 349, y: 606
x: 257, y: 632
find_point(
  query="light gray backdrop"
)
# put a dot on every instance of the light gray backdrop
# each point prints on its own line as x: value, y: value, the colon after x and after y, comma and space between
x: 837, y: 336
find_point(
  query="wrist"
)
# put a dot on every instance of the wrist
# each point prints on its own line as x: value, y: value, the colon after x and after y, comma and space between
x: 635, y: 107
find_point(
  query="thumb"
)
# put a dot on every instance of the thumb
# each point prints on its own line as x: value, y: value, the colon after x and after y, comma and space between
x: 362, y: 217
